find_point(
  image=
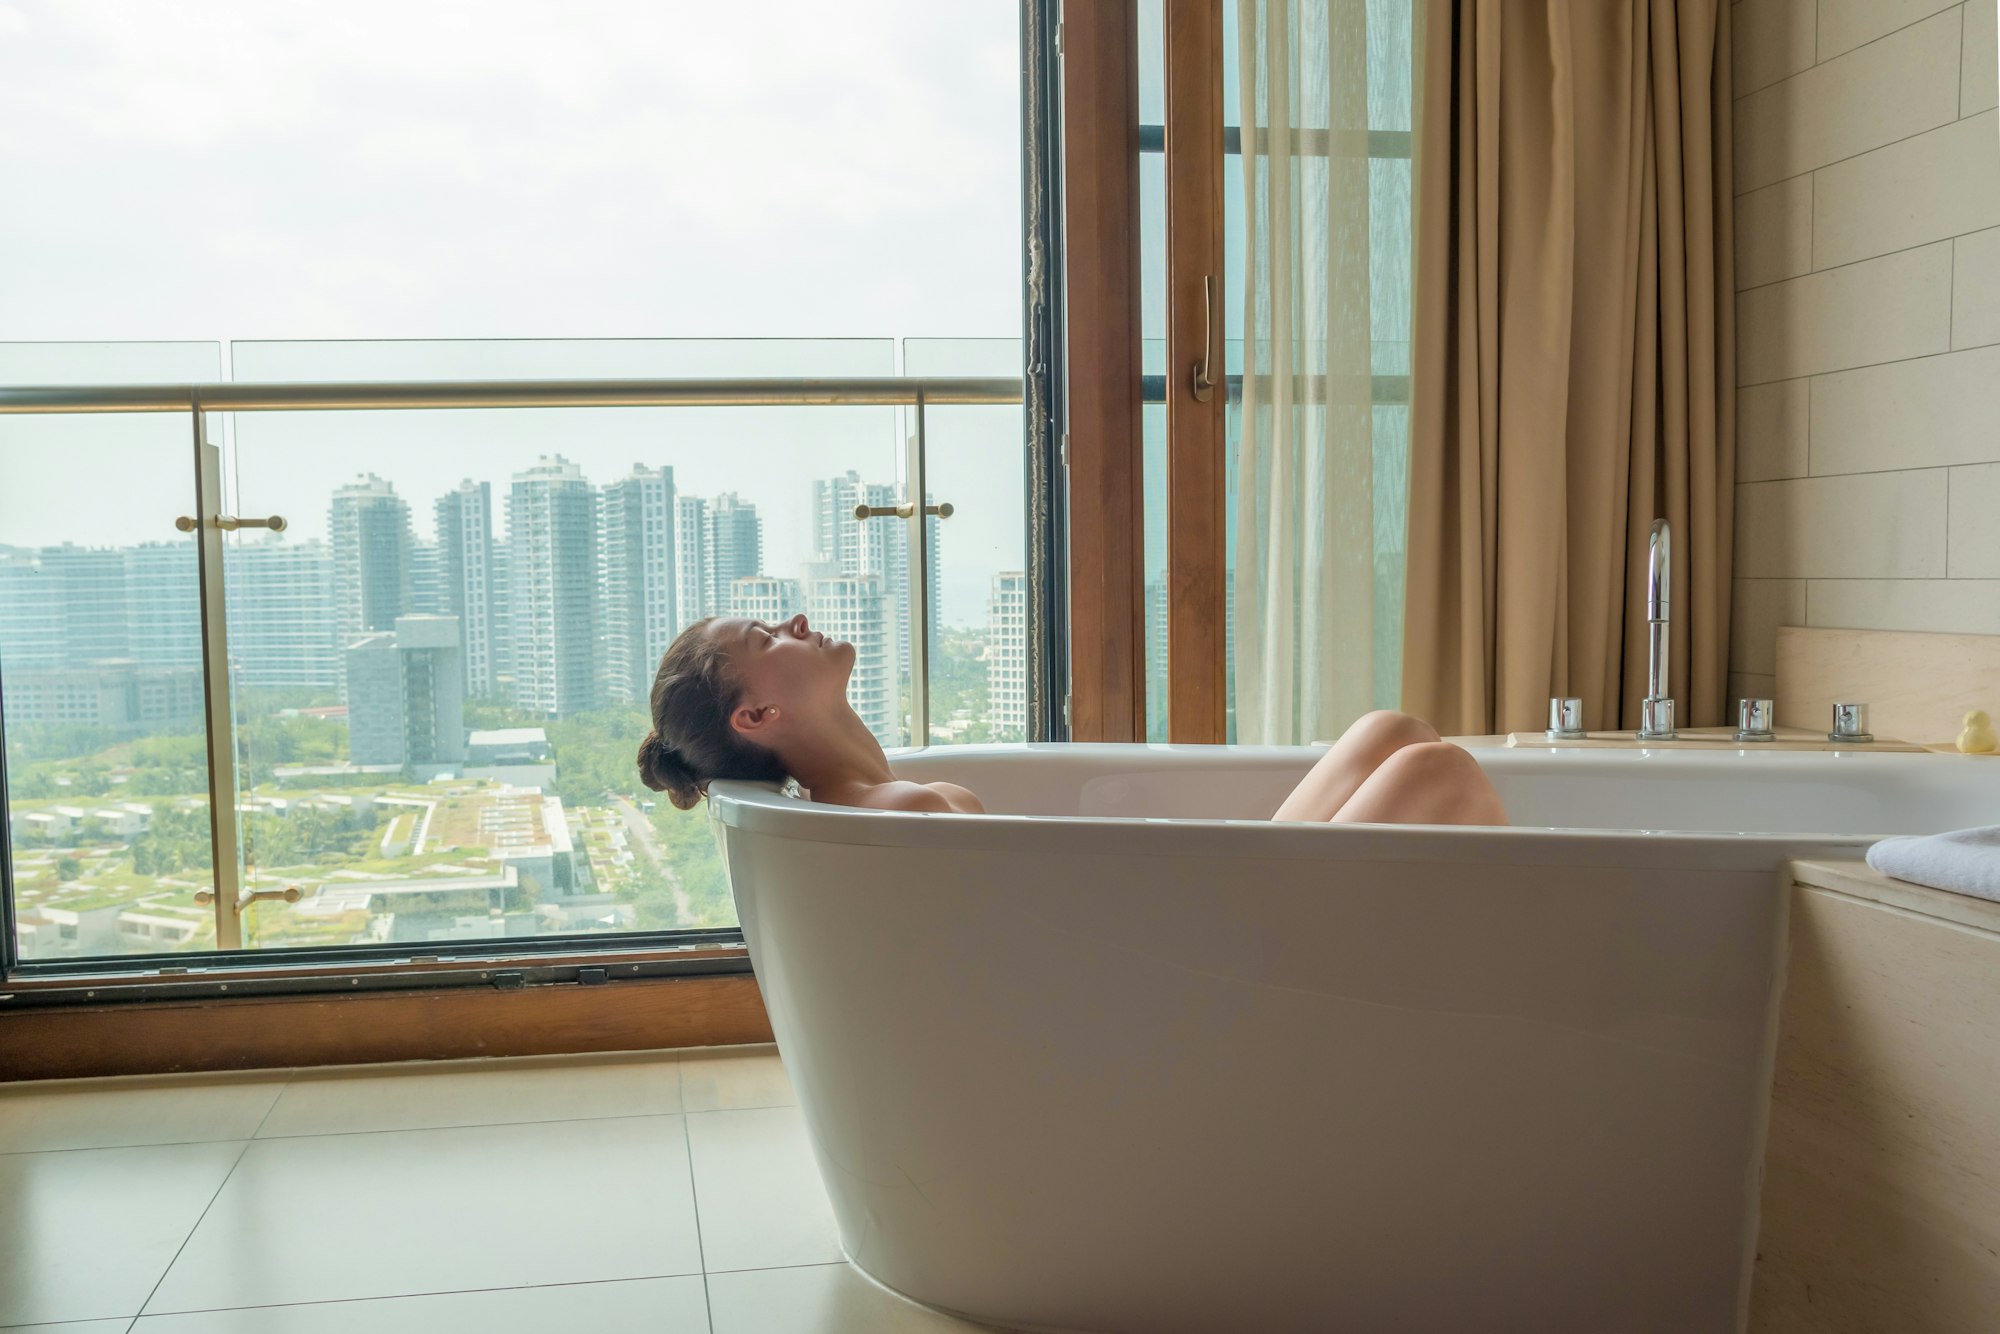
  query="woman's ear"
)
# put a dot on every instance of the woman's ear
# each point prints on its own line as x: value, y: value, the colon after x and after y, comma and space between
x: 750, y: 719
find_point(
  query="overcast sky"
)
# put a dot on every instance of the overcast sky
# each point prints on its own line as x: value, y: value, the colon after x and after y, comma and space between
x: 223, y: 170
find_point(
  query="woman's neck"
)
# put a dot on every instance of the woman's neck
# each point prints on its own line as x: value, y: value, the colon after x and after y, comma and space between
x: 841, y: 753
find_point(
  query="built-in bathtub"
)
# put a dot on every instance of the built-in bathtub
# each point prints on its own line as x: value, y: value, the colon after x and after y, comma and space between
x: 1122, y: 1056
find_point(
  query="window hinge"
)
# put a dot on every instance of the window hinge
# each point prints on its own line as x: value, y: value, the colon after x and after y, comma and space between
x: 510, y: 981
x: 1065, y: 449
x: 1066, y: 722
x: 1059, y: 37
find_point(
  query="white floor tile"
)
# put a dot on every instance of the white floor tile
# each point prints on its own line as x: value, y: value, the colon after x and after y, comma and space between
x: 118, y: 1326
x: 759, y: 1192
x: 119, y: 1113
x: 85, y: 1234
x: 727, y: 1078
x: 642, y: 1306
x: 822, y: 1299
x: 471, y: 1093
x: 421, y: 1211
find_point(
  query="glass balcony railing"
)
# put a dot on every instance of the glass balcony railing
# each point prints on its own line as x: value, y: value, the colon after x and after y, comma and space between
x: 419, y: 691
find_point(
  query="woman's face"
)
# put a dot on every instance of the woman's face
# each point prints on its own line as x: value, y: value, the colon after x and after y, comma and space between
x: 787, y: 664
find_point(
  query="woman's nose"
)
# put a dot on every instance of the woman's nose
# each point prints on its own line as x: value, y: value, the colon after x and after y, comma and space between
x: 799, y: 626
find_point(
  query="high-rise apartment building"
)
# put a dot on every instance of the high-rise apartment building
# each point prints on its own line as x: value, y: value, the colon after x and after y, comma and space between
x: 855, y: 607
x: 552, y: 589
x: 163, y: 603
x: 369, y: 530
x: 734, y: 542
x: 637, y: 517
x: 1007, y: 657
x: 467, y: 586
x: 879, y: 546
x: 691, y: 560
x: 503, y: 619
x: 32, y: 620
x: 70, y: 606
x: 426, y: 579
x: 281, y: 624
x: 763, y: 597
x: 405, y: 692
x: 96, y: 617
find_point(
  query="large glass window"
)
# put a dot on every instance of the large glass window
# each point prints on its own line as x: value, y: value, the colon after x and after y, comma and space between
x: 437, y: 668
x: 1389, y: 112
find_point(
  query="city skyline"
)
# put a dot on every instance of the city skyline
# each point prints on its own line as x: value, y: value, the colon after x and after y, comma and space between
x: 566, y: 588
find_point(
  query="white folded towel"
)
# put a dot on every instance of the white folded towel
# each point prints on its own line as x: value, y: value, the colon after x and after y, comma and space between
x: 1965, y: 862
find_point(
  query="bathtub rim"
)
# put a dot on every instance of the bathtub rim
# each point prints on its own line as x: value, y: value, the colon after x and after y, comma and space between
x: 770, y: 814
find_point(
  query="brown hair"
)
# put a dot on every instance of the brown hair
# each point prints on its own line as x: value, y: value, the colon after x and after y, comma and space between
x: 692, y: 741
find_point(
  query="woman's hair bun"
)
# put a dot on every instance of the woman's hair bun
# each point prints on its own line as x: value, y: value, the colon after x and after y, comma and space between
x: 662, y: 769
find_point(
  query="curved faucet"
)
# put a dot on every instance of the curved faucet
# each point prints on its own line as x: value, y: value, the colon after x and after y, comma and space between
x: 1656, y: 711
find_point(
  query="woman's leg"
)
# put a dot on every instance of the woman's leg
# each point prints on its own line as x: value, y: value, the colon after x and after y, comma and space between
x: 1430, y: 783
x: 1361, y: 750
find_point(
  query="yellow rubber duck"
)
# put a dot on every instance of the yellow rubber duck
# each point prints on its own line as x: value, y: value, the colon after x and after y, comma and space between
x: 1977, y: 738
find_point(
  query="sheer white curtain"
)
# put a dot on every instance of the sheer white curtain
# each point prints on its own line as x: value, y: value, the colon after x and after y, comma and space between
x: 1317, y: 626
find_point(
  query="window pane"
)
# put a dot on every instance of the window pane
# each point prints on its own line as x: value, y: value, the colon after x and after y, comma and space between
x: 973, y: 460
x: 100, y: 664
x: 443, y: 664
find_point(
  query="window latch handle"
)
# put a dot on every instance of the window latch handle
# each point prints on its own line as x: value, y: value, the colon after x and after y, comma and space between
x: 1204, y: 369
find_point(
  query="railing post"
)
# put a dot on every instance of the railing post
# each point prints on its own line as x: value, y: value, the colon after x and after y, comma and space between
x: 918, y: 499
x: 217, y: 697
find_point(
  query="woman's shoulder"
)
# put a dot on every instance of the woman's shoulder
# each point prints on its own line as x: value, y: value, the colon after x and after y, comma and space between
x: 906, y: 796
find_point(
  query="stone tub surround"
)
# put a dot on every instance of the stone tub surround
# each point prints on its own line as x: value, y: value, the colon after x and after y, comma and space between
x: 1880, y: 1205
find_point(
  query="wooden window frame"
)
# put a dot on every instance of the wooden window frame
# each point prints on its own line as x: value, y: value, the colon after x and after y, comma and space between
x: 1105, y: 442
x: 1103, y: 374
x: 1197, y: 429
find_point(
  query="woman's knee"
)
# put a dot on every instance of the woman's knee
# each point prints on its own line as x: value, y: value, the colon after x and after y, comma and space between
x: 1434, y: 764
x: 1389, y: 730
x: 1438, y: 769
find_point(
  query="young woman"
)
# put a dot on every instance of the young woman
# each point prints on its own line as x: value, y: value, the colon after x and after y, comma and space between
x: 737, y: 698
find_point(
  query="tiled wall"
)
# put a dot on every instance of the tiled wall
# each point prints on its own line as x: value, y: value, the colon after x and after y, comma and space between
x: 1867, y: 320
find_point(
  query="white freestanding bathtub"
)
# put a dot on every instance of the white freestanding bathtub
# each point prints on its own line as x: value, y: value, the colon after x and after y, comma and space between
x: 1122, y: 1056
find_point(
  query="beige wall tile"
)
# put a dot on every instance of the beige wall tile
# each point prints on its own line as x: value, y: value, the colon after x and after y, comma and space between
x: 1975, y: 522
x: 1774, y: 236
x: 1885, y: 91
x: 1979, y: 70
x: 1879, y: 310
x: 1771, y: 430
x: 1935, y: 606
x: 1876, y: 526
x: 1769, y: 39
x: 1846, y: 24
x: 1975, y: 289
x: 1748, y: 685
x: 1945, y: 182
x: 1757, y: 608
x: 1925, y: 413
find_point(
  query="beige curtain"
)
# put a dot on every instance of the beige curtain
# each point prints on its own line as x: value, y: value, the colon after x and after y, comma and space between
x: 1311, y: 616
x: 1573, y: 360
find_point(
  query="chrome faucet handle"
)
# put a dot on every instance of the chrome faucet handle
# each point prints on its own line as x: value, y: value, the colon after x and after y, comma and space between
x: 1850, y: 723
x: 1656, y: 720
x: 1753, y: 720
x: 1566, y: 720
